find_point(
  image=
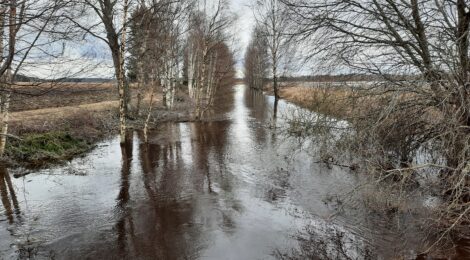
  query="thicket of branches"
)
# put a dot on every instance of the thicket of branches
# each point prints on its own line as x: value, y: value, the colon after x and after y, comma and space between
x: 415, y: 116
x: 151, y: 41
x: 181, y: 41
x: 209, y: 61
x: 256, y: 60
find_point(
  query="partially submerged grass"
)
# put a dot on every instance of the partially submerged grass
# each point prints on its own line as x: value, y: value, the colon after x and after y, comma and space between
x: 39, y: 148
x: 55, y: 138
x: 340, y: 103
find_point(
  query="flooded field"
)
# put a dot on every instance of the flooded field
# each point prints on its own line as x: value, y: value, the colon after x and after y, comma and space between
x: 234, y: 188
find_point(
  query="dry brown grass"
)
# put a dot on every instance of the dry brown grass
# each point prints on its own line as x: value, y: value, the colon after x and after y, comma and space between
x: 347, y: 103
x: 340, y: 103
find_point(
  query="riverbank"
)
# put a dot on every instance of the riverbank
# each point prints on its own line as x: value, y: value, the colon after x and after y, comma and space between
x: 337, y: 102
x: 215, y: 188
x: 56, y: 125
x: 389, y: 143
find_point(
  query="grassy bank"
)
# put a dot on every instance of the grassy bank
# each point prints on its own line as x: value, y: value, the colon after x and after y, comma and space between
x: 57, y: 137
x: 54, y: 132
x: 38, y: 149
x: 336, y: 102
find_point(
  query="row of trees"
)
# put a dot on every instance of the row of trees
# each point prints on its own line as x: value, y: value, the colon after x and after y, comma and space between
x: 176, y: 41
x: 209, y: 61
x: 418, y: 53
x: 156, y: 42
x: 256, y: 60
x: 270, y: 52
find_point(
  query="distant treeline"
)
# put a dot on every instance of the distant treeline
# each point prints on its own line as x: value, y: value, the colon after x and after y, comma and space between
x: 344, y: 78
x: 23, y: 78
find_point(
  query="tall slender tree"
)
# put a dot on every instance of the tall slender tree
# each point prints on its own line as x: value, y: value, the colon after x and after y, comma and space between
x: 256, y: 60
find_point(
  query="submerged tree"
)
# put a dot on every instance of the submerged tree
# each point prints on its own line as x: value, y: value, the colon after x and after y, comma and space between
x: 156, y: 51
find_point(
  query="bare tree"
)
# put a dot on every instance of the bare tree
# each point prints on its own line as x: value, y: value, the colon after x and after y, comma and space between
x: 25, y: 26
x: 113, y: 15
x: 273, y: 22
x: 256, y: 60
x: 156, y: 48
x: 208, y: 27
x: 419, y: 51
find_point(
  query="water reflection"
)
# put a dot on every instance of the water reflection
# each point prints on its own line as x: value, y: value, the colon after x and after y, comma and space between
x: 225, y: 189
x: 8, y: 197
x: 125, y: 224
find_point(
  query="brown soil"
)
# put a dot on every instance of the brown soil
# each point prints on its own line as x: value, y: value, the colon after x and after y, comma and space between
x: 31, y: 96
x: 45, y: 107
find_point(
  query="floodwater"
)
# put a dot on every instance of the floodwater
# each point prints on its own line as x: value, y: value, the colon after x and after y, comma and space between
x: 234, y: 188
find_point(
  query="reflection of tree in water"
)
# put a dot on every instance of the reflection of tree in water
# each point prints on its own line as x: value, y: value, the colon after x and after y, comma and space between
x: 223, y: 103
x: 257, y: 103
x: 277, y: 186
x: 164, y: 222
x: 209, y: 159
x: 125, y: 225
x: 152, y: 227
x: 13, y: 213
x: 278, y: 181
x: 208, y: 146
x: 327, y: 242
x: 8, y: 197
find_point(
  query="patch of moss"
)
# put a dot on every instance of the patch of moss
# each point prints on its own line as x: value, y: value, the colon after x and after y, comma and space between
x: 45, y: 147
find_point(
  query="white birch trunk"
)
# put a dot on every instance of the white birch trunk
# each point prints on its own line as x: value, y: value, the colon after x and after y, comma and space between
x: 5, y: 95
x: 123, y: 95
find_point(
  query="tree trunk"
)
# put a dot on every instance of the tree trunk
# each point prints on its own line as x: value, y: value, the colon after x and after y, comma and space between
x: 141, y: 76
x: 275, y: 84
x: 5, y: 88
x: 149, y: 112
x: 5, y: 112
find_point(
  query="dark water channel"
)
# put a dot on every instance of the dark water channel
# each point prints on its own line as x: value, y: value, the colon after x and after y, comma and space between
x: 230, y: 189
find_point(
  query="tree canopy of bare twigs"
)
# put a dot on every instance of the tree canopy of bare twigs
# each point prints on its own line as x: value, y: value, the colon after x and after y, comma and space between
x: 273, y: 23
x: 256, y: 60
x: 209, y: 60
x: 419, y: 53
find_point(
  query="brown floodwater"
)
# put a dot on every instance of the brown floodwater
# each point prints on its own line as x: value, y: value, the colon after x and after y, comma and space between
x: 232, y: 188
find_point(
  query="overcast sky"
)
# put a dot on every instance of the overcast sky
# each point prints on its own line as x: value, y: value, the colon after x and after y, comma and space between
x: 91, y: 57
x: 243, y: 28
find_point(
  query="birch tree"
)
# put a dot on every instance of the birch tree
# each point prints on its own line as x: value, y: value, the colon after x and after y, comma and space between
x: 272, y: 21
x: 113, y: 15
x: 256, y: 60
x: 157, y: 50
x: 208, y: 27
x: 35, y: 19
x: 139, y: 37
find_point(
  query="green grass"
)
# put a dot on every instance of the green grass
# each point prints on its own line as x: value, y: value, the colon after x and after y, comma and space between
x: 40, y: 148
